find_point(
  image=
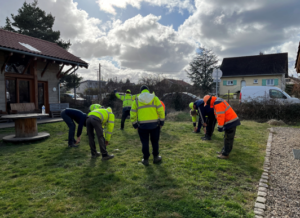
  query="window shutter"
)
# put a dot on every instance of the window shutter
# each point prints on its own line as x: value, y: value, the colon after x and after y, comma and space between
x: 264, y: 82
x: 275, y: 82
x: 234, y: 82
x: 224, y: 82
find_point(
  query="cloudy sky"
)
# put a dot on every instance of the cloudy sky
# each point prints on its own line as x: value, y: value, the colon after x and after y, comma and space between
x: 132, y: 38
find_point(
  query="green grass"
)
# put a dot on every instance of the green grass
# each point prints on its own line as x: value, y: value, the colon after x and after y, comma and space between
x: 48, y: 179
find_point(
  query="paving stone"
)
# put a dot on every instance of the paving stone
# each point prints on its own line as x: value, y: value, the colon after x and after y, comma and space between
x: 262, y: 189
x: 258, y: 216
x: 261, y: 200
x: 264, y: 177
x: 263, y: 180
x: 259, y: 213
x: 263, y: 185
x: 260, y: 205
x: 265, y: 174
x: 262, y: 194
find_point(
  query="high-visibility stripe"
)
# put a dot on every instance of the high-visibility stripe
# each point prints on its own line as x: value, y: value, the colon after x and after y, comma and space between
x: 148, y: 121
x: 159, y: 106
x: 230, y: 121
x: 223, y: 112
x: 227, y: 108
x: 220, y: 126
x: 134, y: 122
x: 100, y: 114
x: 146, y: 106
x: 133, y: 110
x: 162, y: 119
x: 111, y: 122
x: 108, y: 133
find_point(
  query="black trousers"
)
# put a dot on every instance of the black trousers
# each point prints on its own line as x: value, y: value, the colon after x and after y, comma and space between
x: 154, y: 137
x: 124, y: 116
x: 92, y: 123
x: 211, y: 124
x: 228, y: 141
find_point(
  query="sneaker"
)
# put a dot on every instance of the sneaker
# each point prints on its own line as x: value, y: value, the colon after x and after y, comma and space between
x: 219, y: 152
x: 96, y: 155
x: 196, y: 132
x: 145, y: 162
x: 107, y: 157
x: 206, y: 138
x: 157, y: 159
x: 73, y: 146
x: 221, y: 156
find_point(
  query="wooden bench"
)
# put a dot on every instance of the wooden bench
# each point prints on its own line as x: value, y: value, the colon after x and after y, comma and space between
x: 23, y: 108
x: 55, y: 109
x: 2, y: 120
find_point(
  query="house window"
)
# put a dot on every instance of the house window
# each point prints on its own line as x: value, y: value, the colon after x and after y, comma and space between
x: 255, y: 81
x: 230, y: 82
x: 270, y: 82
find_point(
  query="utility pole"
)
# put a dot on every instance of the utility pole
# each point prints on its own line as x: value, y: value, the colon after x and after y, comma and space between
x: 217, y: 80
x: 100, y: 82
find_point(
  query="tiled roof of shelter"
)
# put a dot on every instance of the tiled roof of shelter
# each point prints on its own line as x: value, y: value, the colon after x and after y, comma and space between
x: 14, y: 42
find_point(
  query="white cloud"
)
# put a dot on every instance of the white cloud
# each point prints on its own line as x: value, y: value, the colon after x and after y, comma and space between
x: 110, y: 5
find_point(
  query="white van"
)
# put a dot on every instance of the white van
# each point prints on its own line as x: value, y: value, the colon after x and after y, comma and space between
x: 265, y: 94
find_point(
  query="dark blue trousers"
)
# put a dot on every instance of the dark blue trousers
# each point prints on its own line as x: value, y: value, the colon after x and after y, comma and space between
x: 154, y: 137
x: 72, y: 126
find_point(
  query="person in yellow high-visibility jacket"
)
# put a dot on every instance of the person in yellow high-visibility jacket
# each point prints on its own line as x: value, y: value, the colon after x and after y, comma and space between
x: 127, y: 102
x: 147, y: 115
x: 97, y: 119
x: 95, y: 106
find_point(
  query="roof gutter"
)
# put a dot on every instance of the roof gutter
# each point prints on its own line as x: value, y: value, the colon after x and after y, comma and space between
x: 44, y: 56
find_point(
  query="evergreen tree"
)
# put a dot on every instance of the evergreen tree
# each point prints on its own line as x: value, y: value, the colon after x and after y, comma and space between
x: 71, y: 81
x: 201, y: 69
x: 33, y: 21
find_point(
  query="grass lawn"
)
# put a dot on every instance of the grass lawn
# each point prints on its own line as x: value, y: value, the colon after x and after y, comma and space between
x: 48, y: 179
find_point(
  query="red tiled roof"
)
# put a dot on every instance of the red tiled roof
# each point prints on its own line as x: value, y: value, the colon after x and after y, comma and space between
x: 11, y: 41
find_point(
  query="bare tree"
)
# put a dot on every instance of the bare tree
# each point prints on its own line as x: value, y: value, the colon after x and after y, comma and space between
x: 201, y: 68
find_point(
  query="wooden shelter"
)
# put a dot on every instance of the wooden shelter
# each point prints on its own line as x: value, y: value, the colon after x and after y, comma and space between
x: 297, y: 63
x: 30, y: 70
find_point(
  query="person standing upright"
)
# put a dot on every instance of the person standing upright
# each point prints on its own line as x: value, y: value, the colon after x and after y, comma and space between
x: 227, y: 121
x: 127, y: 102
x: 148, y: 116
x: 97, y: 119
x: 70, y: 115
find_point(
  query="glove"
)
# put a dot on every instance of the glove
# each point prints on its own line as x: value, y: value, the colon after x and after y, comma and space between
x: 220, y: 129
x: 115, y: 91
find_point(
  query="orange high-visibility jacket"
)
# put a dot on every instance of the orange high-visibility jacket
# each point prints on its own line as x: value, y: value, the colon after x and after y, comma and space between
x: 163, y: 105
x: 224, y: 113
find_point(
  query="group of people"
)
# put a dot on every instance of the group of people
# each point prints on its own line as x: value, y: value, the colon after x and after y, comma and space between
x: 147, y: 114
x: 212, y: 110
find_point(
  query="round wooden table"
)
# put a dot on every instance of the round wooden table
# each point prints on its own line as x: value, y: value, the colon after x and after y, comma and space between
x: 25, y: 127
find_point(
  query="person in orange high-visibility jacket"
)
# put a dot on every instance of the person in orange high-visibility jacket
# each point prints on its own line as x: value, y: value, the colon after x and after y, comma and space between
x: 227, y: 121
x: 164, y: 107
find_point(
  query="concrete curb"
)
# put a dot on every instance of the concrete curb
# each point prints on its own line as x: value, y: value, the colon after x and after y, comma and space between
x: 260, y: 203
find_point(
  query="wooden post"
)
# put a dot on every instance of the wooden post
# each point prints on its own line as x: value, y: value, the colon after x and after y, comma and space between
x: 228, y: 96
x: 35, y: 85
x: 26, y: 127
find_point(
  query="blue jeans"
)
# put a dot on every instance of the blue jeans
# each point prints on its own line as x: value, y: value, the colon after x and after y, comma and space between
x: 68, y: 120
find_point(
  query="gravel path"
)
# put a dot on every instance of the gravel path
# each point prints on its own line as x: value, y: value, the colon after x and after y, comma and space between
x: 283, y: 199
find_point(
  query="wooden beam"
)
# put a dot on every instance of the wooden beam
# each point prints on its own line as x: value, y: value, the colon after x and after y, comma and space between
x: 45, y: 68
x: 67, y: 71
x: 17, y: 75
x: 27, y: 66
x: 57, y: 75
x: 6, y: 61
x: 35, y: 86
